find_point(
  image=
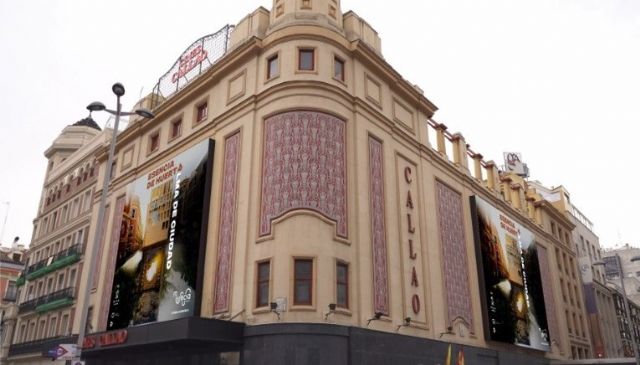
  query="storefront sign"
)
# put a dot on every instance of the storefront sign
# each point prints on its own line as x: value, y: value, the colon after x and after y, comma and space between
x: 105, y: 339
x: 515, y: 307
x: 162, y: 235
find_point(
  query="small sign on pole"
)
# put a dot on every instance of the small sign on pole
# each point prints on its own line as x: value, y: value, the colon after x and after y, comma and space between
x: 64, y: 352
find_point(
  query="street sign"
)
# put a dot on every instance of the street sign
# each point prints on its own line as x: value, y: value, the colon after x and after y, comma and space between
x: 63, y: 352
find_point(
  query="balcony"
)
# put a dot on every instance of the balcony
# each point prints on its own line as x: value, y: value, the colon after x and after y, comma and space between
x: 61, y: 259
x: 55, y: 300
x: 40, y: 346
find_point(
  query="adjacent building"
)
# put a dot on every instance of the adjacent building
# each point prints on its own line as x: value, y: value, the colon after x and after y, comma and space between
x: 617, y: 262
x: 48, y: 290
x: 11, y: 266
x: 598, y: 297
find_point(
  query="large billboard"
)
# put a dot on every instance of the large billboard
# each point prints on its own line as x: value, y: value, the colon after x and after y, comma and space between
x: 160, y: 255
x: 513, y: 298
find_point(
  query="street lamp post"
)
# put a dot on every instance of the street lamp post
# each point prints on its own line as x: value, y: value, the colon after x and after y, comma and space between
x: 117, y: 89
x: 625, y: 301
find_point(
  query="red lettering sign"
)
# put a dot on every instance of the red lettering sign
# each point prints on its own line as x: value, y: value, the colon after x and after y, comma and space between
x: 105, y: 339
x: 415, y: 303
x: 189, y: 61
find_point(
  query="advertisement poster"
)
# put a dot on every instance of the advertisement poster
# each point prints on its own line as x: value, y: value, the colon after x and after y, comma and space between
x: 515, y: 309
x: 161, y: 243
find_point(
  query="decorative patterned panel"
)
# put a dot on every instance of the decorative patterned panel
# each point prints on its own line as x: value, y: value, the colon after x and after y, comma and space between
x: 304, y: 166
x: 226, y: 237
x: 111, y: 263
x: 454, y: 254
x: 547, y: 289
x: 378, y: 235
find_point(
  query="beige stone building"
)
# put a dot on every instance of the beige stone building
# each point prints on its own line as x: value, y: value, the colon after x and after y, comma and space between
x: 598, y: 297
x: 48, y: 290
x: 330, y: 220
x: 12, y: 260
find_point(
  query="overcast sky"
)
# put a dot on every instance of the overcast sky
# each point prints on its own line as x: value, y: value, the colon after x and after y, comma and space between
x: 558, y: 81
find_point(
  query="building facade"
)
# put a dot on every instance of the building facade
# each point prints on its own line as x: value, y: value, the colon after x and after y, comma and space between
x: 11, y: 266
x: 598, y: 297
x: 294, y: 202
x: 48, y: 291
x: 630, y: 265
x: 616, y: 264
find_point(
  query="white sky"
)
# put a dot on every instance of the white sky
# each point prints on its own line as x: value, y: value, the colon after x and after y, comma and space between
x: 558, y: 81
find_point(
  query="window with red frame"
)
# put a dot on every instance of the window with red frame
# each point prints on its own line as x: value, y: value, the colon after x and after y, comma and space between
x: 342, y: 285
x: 306, y: 59
x: 303, y: 285
x: 176, y: 128
x: 338, y: 69
x: 154, y: 142
x: 202, y: 111
x: 262, y: 292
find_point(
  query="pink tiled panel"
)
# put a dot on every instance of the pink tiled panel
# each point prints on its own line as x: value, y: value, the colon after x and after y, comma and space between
x: 454, y: 254
x: 227, y: 223
x: 111, y: 263
x: 547, y: 289
x: 376, y: 193
x: 304, y: 166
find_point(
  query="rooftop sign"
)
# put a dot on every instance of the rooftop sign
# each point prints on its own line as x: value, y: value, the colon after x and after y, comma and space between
x: 195, y: 60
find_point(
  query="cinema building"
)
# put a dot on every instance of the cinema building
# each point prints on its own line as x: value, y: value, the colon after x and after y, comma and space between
x: 294, y: 202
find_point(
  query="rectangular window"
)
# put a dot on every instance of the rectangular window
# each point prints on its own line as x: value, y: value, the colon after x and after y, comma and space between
x: 306, y: 59
x: 64, y: 324
x: 72, y: 278
x: 342, y: 285
x: 176, y: 128
x: 10, y: 294
x: 303, y: 276
x: 202, y: 112
x: 273, y: 69
x: 52, y: 326
x: 262, y: 294
x: 112, y: 174
x: 154, y: 142
x: 338, y: 69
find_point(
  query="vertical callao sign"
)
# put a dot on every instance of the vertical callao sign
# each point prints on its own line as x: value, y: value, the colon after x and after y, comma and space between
x: 158, y: 265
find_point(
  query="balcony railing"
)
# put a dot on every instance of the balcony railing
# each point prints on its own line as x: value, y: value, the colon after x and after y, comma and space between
x: 40, y: 346
x: 55, y: 262
x: 57, y: 299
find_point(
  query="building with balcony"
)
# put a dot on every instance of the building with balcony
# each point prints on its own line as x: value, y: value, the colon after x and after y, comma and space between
x: 47, y: 290
x: 598, y: 297
x: 11, y: 267
x: 622, y: 319
x: 294, y: 201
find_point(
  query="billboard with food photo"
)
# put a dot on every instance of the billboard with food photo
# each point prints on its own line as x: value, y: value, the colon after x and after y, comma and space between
x: 510, y: 279
x: 162, y: 238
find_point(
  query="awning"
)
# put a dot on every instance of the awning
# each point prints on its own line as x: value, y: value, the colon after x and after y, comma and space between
x: 185, y: 333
